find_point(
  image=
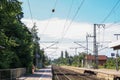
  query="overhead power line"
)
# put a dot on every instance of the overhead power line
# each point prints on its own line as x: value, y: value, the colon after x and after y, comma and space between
x: 111, y: 11
x: 73, y: 18
x: 55, y: 3
x: 65, y: 32
x: 67, y: 18
x: 52, y: 11
x: 30, y: 11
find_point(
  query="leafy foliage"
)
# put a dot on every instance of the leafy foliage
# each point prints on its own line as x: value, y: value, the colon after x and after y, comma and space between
x: 111, y: 63
x: 9, y: 32
x: 70, y: 60
x: 17, y: 40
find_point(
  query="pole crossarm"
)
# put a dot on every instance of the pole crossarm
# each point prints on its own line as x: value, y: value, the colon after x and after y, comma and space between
x: 51, y: 45
x: 92, y: 41
x: 103, y: 48
x: 83, y: 46
x: 48, y: 41
x: 53, y: 48
x: 117, y: 35
x: 75, y: 47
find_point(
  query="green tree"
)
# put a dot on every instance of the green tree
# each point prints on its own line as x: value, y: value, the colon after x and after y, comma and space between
x: 66, y: 54
x: 62, y: 54
x: 15, y: 36
x: 42, y: 59
x: 71, y: 60
x: 110, y: 63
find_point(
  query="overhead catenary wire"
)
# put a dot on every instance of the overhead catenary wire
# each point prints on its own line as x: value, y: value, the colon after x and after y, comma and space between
x: 62, y: 33
x: 115, y: 22
x: 60, y: 40
x: 110, y: 26
x: 103, y: 33
x: 73, y: 18
x: 45, y: 28
x: 107, y: 27
x: 67, y: 18
x: 50, y: 15
x: 75, y: 15
x: 53, y: 10
x: 30, y: 11
x: 65, y: 31
x: 55, y: 3
x: 65, y: 24
x: 111, y: 11
x: 116, y: 29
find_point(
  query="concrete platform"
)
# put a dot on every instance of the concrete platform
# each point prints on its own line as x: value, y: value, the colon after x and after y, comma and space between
x: 107, y: 74
x: 41, y: 74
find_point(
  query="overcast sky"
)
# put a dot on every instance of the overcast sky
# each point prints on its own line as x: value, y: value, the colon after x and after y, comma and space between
x: 71, y: 21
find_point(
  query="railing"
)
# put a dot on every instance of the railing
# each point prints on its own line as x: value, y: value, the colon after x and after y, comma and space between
x: 11, y: 74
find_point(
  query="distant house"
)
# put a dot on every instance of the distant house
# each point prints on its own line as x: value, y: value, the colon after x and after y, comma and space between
x: 89, y: 60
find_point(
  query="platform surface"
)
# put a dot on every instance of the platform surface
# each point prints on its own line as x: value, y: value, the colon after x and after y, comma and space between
x: 41, y: 74
x: 106, y: 71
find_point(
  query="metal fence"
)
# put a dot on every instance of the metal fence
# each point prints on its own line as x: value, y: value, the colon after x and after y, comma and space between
x: 11, y: 74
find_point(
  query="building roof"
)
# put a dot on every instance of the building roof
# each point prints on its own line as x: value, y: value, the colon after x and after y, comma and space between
x: 115, y: 45
x: 92, y: 57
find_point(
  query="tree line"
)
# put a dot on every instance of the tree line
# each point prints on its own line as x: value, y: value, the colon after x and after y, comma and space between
x: 79, y: 60
x: 66, y: 59
x: 17, y: 45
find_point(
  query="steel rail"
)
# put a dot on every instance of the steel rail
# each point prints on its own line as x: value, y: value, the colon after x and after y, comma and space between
x: 65, y: 76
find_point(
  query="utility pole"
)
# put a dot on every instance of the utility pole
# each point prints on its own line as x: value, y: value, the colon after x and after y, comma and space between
x: 88, y: 63
x: 96, y: 45
x: 117, y: 67
x: 87, y: 36
x: 87, y: 43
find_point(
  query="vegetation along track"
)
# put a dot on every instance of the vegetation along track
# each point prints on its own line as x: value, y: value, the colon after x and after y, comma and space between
x: 65, y: 74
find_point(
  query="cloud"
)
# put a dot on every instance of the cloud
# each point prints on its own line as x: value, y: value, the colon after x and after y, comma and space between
x: 52, y: 30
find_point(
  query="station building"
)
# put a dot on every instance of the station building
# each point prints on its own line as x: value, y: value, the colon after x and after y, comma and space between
x: 89, y: 60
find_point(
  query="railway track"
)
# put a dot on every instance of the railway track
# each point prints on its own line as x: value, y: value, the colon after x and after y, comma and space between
x: 65, y: 74
x: 59, y: 75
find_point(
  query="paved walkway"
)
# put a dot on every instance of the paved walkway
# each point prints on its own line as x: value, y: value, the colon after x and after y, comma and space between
x: 41, y: 74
